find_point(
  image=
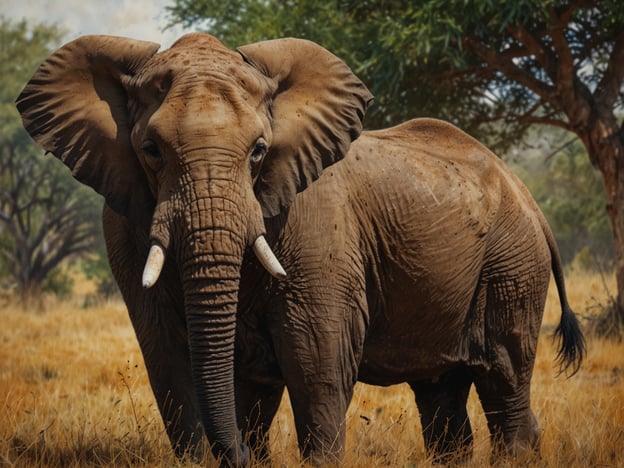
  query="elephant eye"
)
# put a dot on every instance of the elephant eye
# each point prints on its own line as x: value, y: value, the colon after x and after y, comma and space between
x: 153, y: 158
x: 259, y: 150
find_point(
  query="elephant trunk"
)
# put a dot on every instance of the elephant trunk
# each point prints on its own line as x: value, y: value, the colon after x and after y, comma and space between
x: 210, y: 255
x: 211, y: 293
x: 208, y: 237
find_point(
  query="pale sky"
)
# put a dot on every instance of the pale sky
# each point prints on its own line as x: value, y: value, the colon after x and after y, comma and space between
x: 138, y: 19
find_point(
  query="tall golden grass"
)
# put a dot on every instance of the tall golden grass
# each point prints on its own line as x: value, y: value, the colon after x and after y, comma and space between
x: 74, y: 392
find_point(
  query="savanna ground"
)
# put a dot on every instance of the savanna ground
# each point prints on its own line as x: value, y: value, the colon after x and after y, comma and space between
x: 74, y: 392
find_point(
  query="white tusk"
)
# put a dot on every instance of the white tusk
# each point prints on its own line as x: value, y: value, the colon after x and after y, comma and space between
x: 153, y: 266
x: 267, y: 258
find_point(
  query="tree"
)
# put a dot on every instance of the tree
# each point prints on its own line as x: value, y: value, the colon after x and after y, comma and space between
x: 45, y: 216
x: 493, y: 67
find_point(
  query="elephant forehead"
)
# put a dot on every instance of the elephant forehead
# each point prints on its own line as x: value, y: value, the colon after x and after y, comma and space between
x: 197, y: 47
x: 214, y: 73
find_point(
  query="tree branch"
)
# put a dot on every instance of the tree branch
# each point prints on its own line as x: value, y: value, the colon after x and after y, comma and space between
x: 536, y: 47
x: 506, y: 66
x: 573, y: 96
x: 609, y: 88
x: 560, y: 148
x: 566, y: 14
x: 533, y: 119
x: 565, y: 64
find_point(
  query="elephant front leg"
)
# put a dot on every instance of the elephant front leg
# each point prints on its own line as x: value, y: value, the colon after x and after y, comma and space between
x: 319, y: 360
x: 180, y: 414
x: 157, y: 316
x: 256, y: 405
x: 168, y: 366
x: 320, y: 411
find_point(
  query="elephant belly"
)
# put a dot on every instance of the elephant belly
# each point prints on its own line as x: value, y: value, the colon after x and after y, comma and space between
x: 384, y: 366
x: 419, y: 331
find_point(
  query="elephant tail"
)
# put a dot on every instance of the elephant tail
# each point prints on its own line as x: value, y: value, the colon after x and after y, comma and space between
x: 572, y: 347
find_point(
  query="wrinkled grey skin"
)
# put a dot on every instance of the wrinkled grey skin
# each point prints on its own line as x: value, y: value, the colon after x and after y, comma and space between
x: 417, y: 258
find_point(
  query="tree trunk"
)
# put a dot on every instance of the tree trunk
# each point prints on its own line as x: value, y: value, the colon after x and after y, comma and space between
x: 31, y: 297
x: 605, y: 144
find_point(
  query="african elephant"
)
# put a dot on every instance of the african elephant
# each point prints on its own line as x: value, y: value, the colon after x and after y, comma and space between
x: 419, y: 257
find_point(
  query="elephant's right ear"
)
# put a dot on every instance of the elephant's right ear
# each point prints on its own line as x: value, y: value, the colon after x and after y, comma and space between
x: 75, y: 106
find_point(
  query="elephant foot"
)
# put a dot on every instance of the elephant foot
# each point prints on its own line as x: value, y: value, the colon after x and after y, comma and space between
x: 456, y: 454
x: 194, y: 452
x: 236, y: 457
x: 323, y: 454
x: 520, y: 444
x: 323, y: 459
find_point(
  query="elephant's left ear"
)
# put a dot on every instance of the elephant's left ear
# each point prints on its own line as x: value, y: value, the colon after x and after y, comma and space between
x: 317, y: 111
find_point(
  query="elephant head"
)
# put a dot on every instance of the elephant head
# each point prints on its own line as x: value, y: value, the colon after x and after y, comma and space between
x: 197, y: 144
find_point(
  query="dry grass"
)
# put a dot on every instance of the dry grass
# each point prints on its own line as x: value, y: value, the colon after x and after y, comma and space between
x: 73, y: 392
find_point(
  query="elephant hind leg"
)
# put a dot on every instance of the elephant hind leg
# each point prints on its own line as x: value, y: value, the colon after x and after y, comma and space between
x: 442, y: 406
x: 513, y: 315
x: 513, y: 427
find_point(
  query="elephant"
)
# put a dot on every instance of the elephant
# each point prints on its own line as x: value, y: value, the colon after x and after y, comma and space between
x: 262, y: 240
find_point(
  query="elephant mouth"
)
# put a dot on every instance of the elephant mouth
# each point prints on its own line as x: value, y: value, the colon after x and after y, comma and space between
x: 156, y: 260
